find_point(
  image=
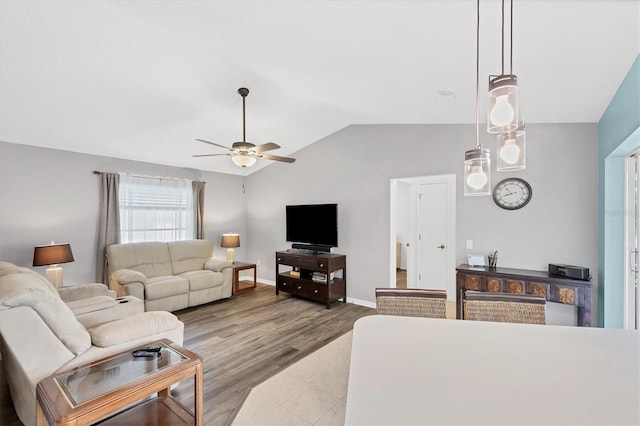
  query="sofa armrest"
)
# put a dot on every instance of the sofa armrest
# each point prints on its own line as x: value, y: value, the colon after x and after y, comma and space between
x: 127, y: 282
x: 133, y: 327
x: 128, y: 276
x: 216, y: 265
x: 84, y: 291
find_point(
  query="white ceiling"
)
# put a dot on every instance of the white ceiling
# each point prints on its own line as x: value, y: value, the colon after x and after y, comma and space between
x: 142, y: 80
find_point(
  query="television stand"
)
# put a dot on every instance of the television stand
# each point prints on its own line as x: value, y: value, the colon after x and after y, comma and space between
x: 305, y: 278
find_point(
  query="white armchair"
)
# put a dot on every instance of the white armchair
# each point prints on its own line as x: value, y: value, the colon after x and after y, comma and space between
x: 41, y: 335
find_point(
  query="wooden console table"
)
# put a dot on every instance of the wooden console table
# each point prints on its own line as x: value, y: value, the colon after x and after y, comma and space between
x: 522, y: 281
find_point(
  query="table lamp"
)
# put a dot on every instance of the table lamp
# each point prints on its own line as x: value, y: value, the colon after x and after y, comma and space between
x: 230, y: 241
x: 53, y: 255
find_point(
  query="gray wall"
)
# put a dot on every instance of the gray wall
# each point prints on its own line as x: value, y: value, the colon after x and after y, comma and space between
x: 48, y: 194
x: 51, y: 195
x: 353, y: 168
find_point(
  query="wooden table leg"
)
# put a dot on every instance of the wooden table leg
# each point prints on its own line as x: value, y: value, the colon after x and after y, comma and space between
x: 198, y: 396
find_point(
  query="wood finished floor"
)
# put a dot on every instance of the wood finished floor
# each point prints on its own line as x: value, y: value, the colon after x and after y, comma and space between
x: 244, y: 341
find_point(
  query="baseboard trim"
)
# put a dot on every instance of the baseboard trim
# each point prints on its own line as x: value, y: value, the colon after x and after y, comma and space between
x: 365, y: 303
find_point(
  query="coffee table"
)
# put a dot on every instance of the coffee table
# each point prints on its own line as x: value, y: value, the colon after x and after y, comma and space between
x: 101, y: 389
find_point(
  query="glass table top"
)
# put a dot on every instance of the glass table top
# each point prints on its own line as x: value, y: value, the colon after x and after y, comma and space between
x: 90, y: 382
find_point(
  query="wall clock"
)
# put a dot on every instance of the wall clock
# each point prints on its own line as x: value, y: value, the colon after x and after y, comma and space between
x: 512, y: 193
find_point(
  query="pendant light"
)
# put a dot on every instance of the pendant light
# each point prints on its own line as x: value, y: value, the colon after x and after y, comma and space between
x: 477, y: 162
x: 511, y: 144
x: 502, y: 106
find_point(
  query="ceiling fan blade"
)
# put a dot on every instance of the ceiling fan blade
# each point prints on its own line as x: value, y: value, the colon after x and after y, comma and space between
x: 214, y: 144
x: 276, y: 158
x: 208, y: 155
x: 266, y: 147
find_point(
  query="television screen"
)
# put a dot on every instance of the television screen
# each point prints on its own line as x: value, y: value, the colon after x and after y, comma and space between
x: 313, y: 224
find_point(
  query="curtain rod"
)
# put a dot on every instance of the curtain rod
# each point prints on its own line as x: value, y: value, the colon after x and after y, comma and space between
x: 98, y: 172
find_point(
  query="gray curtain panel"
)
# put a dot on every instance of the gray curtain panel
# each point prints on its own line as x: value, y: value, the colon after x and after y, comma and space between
x: 198, y: 208
x: 109, y: 227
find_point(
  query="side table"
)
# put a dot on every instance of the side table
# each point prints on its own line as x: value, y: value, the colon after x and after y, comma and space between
x: 100, y: 389
x: 242, y: 266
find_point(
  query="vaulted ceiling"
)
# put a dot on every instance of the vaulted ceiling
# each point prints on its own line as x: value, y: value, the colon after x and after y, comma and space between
x: 142, y: 80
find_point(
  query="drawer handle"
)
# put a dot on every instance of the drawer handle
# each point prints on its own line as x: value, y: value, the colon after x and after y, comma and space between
x: 315, y: 291
x: 279, y: 259
x: 322, y: 265
x: 284, y: 284
x: 299, y: 287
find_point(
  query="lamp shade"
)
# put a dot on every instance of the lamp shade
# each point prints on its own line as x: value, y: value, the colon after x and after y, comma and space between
x: 477, y: 172
x: 502, y: 108
x: 230, y: 240
x: 512, y: 150
x: 52, y: 255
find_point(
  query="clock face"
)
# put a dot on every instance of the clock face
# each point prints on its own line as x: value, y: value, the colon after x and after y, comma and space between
x: 512, y: 193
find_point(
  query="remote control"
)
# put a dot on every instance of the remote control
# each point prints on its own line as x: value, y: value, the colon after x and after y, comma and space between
x: 144, y: 354
x: 151, y: 349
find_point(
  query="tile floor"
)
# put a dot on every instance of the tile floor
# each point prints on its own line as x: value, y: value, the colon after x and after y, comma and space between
x: 312, y: 391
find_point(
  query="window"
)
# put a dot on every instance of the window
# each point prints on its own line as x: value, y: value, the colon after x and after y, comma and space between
x: 155, y: 209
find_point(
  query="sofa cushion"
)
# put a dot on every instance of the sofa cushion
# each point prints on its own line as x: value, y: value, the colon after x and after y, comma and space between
x: 189, y: 255
x: 199, y: 280
x: 165, y: 286
x: 24, y: 289
x: 152, y: 259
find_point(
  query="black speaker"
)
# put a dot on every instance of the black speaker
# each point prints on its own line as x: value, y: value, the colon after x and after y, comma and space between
x: 570, y: 271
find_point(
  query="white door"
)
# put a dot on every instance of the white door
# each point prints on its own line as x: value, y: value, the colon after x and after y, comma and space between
x: 431, y: 241
x: 431, y: 251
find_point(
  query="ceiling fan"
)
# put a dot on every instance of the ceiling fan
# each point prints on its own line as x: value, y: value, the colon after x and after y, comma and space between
x: 245, y: 154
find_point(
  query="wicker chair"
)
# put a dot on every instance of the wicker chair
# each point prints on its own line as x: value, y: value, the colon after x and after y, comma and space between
x: 411, y: 302
x: 504, y: 307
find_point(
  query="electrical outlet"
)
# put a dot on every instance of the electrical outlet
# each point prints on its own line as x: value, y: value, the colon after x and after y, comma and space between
x: 469, y: 244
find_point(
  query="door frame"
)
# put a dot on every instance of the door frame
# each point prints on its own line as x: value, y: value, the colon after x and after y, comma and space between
x: 450, y: 181
x: 631, y: 297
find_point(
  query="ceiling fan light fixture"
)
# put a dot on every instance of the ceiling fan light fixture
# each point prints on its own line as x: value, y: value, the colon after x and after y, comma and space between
x: 243, y: 160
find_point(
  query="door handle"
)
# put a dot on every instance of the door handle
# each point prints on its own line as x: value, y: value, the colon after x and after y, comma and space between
x: 633, y: 260
x: 441, y: 246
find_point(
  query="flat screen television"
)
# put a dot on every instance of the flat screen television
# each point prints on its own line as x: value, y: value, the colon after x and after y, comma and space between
x: 313, y: 224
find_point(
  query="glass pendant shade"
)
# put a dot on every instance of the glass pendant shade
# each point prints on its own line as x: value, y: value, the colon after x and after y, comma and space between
x: 512, y: 153
x: 477, y: 172
x: 243, y: 160
x: 502, y: 107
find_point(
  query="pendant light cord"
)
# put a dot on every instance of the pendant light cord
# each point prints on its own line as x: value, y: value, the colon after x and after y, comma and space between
x: 502, y: 33
x: 478, y: 74
x: 511, y: 40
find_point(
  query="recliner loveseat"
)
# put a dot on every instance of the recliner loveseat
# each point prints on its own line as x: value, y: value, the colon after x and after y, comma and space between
x: 40, y: 335
x: 169, y: 276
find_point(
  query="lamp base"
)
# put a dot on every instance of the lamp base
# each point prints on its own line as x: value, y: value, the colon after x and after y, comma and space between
x: 54, y: 275
x: 230, y: 254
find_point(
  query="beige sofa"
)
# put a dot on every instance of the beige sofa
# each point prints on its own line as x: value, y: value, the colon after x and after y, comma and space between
x: 169, y: 276
x: 40, y: 335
